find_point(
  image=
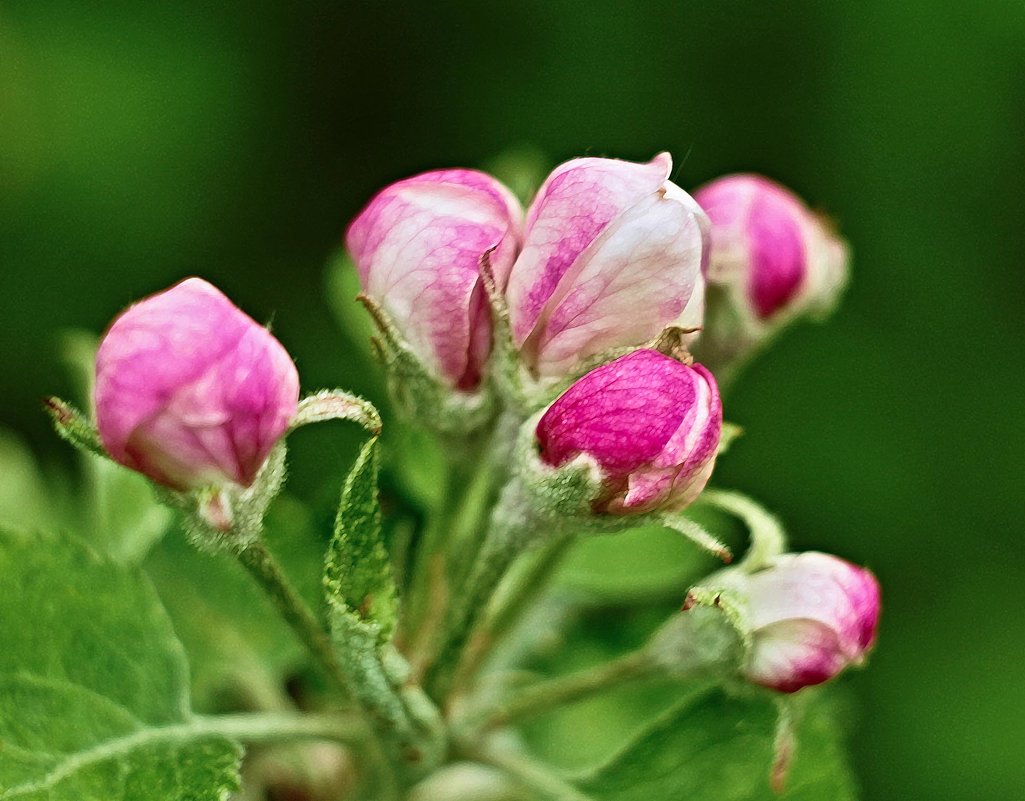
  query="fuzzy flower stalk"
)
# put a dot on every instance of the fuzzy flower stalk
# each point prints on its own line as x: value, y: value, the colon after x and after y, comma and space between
x: 628, y: 442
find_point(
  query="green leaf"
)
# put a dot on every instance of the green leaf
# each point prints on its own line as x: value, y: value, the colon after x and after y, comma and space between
x: 240, y: 651
x: 358, y: 573
x: 720, y: 748
x: 94, y: 696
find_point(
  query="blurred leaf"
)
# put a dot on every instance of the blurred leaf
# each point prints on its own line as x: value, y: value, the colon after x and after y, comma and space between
x: 342, y: 289
x: 358, y: 572
x: 27, y: 499
x: 94, y: 700
x: 720, y: 748
x: 639, y: 564
x: 240, y: 650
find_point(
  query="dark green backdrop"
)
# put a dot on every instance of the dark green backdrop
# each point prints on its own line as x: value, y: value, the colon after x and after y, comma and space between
x: 141, y: 142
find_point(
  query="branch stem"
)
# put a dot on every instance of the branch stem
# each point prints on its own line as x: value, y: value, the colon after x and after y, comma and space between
x: 268, y: 574
x: 545, y: 696
x: 532, y: 774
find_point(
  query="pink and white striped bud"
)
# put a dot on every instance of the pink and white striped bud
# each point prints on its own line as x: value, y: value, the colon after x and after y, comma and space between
x: 417, y: 247
x: 811, y: 615
x: 651, y: 424
x: 612, y: 255
x: 777, y: 256
x: 192, y: 392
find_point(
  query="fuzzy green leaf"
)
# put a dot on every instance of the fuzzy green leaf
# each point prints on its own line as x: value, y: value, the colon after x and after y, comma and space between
x: 721, y: 748
x: 94, y: 696
x: 358, y: 573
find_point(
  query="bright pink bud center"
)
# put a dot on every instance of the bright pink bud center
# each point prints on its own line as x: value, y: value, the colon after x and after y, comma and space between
x: 769, y: 224
x: 651, y: 423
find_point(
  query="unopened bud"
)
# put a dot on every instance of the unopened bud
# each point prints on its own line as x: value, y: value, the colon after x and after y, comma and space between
x: 192, y: 392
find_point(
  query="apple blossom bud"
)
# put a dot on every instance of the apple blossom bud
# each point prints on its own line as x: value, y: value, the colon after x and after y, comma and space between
x: 192, y: 392
x: 650, y: 423
x: 811, y: 615
x: 767, y: 244
x: 612, y: 255
x: 417, y: 248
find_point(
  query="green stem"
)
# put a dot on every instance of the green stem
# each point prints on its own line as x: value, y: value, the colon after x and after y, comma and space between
x: 272, y: 727
x: 548, y: 695
x: 532, y: 774
x: 768, y: 539
x: 528, y: 585
x: 268, y: 574
x: 500, y: 550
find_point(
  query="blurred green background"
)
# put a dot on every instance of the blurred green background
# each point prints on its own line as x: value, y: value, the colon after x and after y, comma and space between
x: 141, y: 142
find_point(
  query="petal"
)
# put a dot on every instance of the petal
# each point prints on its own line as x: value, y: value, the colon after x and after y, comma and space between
x: 622, y: 413
x: 573, y: 207
x: 793, y: 654
x: 635, y: 279
x: 417, y: 247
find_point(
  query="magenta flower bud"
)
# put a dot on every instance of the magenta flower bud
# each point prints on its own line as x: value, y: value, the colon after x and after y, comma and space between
x: 811, y: 615
x: 650, y: 423
x: 769, y: 245
x: 612, y: 255
x: 192, y: 392
x: 417, y: 247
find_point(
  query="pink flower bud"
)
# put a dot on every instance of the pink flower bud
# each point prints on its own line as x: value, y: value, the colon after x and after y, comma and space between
x: 612, y: 255
x: 190, y: 391
x: 417, y: 247
x: 651, y: 424
x: 812, y: 615
x: 768, y: 243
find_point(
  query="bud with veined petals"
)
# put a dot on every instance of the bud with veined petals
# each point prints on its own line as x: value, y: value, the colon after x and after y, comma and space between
x: 771, y: 260
x: 417, y: 247
x: 764, y: 237
x: 191, y: 391
x: 650, y: 423
x: 612, y: 255
x: 811, y: 615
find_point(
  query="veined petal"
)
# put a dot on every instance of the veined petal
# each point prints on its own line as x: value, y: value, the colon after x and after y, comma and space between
x: 634, y: 280
x: 417, y: 247
x: 573, y: 207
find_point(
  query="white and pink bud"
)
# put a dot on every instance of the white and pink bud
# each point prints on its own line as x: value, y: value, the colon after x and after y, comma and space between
x: 192, y: 392
x: 612, y: 255
x: 417, y: 247
x: 772, y: 260
x: 780, y: 256
x: 651, y: 425
x: 810, y: 615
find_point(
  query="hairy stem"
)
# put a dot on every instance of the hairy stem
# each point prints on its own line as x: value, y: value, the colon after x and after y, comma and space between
x: 545, y: 696
x: 268, y: 574
x: 528, y: 585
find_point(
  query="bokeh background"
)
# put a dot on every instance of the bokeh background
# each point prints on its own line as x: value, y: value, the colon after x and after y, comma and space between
x: 142, y: 141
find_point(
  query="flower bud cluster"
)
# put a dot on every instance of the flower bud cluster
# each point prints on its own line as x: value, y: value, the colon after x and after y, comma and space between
x: 602, y: 239
x: 581, y: 292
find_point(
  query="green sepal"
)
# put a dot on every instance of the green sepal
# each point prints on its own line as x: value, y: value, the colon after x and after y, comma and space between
x: 74, y: 427
x: 357, y: 573
x: 420, y: 395
x: 768, y: 539
x: 730, y: 604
